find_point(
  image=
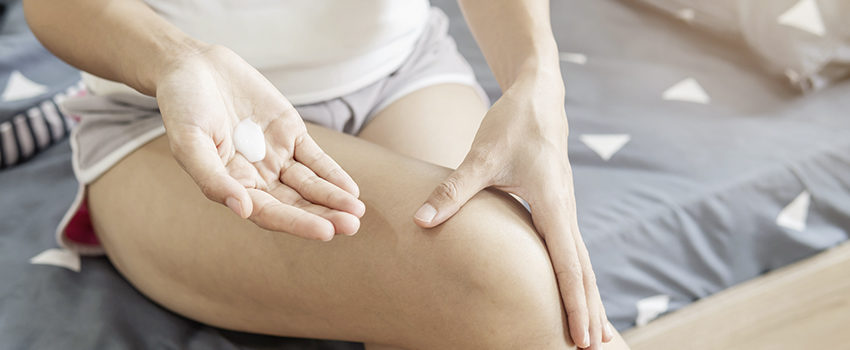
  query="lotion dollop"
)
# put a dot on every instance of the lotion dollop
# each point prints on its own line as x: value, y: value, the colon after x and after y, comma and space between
x: 249, y: 140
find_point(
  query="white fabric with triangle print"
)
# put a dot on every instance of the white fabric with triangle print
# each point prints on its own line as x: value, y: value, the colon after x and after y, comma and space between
x: 573, y: 57
x: 20, y: 87
x: 807, y: 41
x: 687, y: 90
x: 805, y: 16
x: 793, y: 216
x: 605, y: 145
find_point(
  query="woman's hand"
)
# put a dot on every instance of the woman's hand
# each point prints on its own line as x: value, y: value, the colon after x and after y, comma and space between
x: 296, y: 188
x: 521, y: 148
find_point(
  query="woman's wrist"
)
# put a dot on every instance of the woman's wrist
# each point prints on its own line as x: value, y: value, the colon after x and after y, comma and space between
x: 169, y: 53
x: 538, y: 80
x: 538, y: 86
x: 537, y: 97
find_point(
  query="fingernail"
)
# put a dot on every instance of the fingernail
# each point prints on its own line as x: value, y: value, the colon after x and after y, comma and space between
x: 586, y: 340
x: 426, y: 213
x: 362, y: 205
x: 234, y: 205
x: 608, y: 331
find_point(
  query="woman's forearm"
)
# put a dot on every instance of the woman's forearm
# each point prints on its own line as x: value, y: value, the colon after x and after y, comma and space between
x: 516, y: 39
x: 120, y: 40
x: 521, y: 147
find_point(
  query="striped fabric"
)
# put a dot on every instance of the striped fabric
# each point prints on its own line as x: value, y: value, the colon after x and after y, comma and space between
x: 33, y: 83
x: 36, y: 128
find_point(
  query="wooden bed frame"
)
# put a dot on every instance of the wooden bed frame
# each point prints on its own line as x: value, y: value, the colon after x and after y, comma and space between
x: 805, y: 305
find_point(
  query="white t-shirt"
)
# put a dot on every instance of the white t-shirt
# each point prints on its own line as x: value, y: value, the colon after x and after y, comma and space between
x: 311, y: 50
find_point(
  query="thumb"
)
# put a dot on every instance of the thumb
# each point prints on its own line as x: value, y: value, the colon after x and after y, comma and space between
x: 449, y: 196
x: 199, y: 157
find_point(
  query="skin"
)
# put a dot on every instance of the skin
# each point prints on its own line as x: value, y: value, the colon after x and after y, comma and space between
x: 483, y: 280
x: 521, y: 148
x: 298, y: 189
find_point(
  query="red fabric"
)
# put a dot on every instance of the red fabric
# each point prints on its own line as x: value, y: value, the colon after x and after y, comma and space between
x: 80, y: 229
x: 75, y: 117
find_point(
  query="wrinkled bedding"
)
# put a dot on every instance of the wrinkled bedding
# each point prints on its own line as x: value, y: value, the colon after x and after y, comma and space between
x: 694, y: 171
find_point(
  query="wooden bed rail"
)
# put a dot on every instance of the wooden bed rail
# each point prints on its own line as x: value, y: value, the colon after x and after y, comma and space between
x: 805, y: 305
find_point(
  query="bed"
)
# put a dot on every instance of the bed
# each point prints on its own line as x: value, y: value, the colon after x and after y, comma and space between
x: 714, y: 200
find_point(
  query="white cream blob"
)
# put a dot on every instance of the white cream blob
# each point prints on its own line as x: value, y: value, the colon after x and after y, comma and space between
x: 249, y: 140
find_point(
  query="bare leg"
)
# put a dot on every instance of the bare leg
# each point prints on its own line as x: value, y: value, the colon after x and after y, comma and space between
x: 435, y: 124
x: 483, y: 280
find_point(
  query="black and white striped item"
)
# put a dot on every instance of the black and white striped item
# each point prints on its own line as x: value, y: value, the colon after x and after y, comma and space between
x: 35, y: 129
x: 33, y: 83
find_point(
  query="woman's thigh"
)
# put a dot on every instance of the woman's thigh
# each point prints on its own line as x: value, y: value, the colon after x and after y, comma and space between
x: 476, y: 281
x: 436, y: 124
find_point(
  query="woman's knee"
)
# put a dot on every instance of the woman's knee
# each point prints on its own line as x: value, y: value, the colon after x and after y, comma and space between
x: 510, y: 296
x: 503, y: 289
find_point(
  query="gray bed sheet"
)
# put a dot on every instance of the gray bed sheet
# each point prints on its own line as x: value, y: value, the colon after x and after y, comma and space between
x: 696, y: 201
x: 686, y: 208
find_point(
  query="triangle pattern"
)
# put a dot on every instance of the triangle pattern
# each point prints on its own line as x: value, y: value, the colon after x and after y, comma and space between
x: 573, y: 57
x: 19, y: 88
x: 605, y: 145
x: 804, y: 15
x: 650, y: 308
x: 688, y: 90
x: 686, y: 14
x: 794, y: 215
x: 58, y: 257
x: 793, y: 76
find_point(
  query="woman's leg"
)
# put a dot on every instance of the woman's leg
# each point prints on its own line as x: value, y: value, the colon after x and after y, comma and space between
x: 482, y: 280
x: 435, y: 124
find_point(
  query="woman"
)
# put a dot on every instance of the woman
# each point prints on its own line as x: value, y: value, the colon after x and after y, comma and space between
x: 422, y: 272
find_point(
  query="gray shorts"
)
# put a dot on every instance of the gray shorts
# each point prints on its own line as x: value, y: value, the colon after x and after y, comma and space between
x: 112, y: 127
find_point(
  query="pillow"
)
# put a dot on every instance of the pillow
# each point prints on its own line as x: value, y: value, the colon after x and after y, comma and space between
x: 806, y: 40
x: 32, y: 83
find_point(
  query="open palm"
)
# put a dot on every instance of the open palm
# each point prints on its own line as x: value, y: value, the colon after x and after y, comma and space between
x: 296, y: 188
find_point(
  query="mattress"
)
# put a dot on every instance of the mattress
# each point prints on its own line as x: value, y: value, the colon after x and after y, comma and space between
x: 694, y: 171
x: 716, y: 170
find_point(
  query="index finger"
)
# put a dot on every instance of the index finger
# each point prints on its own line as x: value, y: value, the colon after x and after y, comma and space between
x: 196, y: 152
x: 553, y: 225
x: 271, y: 214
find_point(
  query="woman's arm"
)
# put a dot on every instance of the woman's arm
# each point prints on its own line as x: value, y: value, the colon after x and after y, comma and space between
x: 521, y: 148
x: 123, y: 41
x: 516, y: 39
x: 203, y: 91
